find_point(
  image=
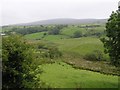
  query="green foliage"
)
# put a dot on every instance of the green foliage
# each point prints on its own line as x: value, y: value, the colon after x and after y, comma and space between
x: 77, y: 34
x: 55, y: 31
x: 48, y: 50
x: 93, y: 33
x: 16, y: 60
x: 28, y: 30
x: 96, y: 55
x: 112, y: 40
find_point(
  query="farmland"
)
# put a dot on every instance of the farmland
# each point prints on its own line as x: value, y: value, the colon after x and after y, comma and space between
x: 67, y: 61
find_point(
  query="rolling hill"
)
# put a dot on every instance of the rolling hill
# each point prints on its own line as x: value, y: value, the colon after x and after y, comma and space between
x: 65, y: 21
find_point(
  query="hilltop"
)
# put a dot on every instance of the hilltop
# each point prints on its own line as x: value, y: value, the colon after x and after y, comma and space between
x: 63, y: 21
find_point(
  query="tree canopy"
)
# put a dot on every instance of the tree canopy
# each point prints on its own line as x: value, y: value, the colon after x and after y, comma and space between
x: 112, y: 39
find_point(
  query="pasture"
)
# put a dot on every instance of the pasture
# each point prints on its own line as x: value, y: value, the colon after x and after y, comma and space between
x: 61, y: 75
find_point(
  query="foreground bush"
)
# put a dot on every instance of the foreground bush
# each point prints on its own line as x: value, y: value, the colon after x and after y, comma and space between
x: 17, y: 63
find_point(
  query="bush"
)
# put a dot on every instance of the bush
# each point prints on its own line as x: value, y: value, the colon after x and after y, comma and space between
x: 77, y: 34
x: 96, y: 55
x: 17, y: 61
x: 54, y: 52
x: 47, y: 50
x: 55, y: 31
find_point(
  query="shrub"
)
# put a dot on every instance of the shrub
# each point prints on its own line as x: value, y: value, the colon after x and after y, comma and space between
x: 48, y: 50
x: 55, y: 31
x: 18, y: 63
x: 96, y: 55
x: 77, y: 34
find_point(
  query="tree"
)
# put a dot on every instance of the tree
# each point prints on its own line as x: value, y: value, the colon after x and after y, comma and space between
x: 16, y: 61
x: 112, y: 40
x: 77, y: 34
x: 54, y: 31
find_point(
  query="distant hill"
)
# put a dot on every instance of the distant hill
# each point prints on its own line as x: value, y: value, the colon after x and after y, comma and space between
x: 66, y: 21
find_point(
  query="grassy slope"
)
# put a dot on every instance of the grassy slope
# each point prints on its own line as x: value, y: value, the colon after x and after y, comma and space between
x: 54, y: 37
x: 76, y: 46
x: 66, y: 32
x: 61, y: 75
x: 80, y: 45
x: 70, y: 30
x: 34, y: 35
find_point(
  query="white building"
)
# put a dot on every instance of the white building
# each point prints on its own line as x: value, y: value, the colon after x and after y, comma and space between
x: 2, y: 34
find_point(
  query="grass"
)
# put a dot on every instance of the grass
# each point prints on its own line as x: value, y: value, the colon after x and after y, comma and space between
x: 54, y: 37
x: 70, y: 30
x: 47, y: 37
x: 62, y: 75
x: 34, y: 35
x: 81, y: 46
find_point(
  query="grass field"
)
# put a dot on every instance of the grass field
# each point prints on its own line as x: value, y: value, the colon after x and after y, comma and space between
x: 61, y: 75
x: 34, y: 35
x: 76, y: 46
x: 70, y: 30
x: 55, y: 37
x: 81, y: 46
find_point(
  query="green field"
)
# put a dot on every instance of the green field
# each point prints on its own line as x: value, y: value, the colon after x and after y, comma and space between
x: 55, y: 37
x: 61, y: 75
x: 34, y: 35
x: 81, y: 46
x: 70, y: 30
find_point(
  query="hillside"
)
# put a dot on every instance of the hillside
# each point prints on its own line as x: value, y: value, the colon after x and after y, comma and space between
x: 68, y: 21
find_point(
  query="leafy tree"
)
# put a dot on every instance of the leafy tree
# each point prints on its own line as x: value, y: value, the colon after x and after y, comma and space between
x: 54, y: 31
x: 16, y: 61
x: 77, y: 34
x: 48, y: 50
x: 112, y: 40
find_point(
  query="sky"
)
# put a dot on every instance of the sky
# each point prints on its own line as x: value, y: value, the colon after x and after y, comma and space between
x: 23, y: 11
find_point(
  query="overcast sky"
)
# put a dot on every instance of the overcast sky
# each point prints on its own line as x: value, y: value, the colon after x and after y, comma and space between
x: 22, y: 11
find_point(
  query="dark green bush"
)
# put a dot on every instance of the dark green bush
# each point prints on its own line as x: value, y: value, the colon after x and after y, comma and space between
x: 17, y: 63
x: 47, y: 50
x: 77, y: 34
x: 55, y: 31
x: 96, y: 55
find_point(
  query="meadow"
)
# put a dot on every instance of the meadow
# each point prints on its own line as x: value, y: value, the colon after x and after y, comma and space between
x: 61, y: 75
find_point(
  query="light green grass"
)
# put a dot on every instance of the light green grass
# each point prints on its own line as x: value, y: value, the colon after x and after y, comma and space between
x: 47, y: 37
x: 61, y: 75
x: 55, y: 37
x: 34, y: 35
x: 80, y: 45
x: 70, y: 30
